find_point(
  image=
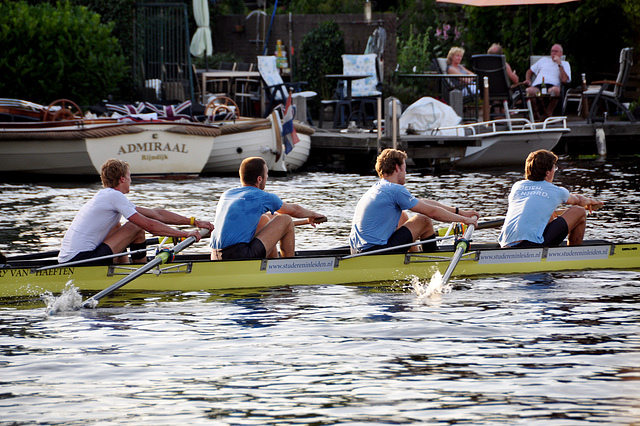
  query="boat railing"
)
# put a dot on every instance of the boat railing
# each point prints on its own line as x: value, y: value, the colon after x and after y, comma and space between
x: 473, y: 129
x: 501, y: 125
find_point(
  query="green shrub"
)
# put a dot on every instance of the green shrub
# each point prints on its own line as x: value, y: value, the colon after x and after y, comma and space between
x: 324, y: 7
x: 229, y: 7
x: 52, y: 52
x: 321, y: 53
x: 213, y: 61
x: 413, y: 54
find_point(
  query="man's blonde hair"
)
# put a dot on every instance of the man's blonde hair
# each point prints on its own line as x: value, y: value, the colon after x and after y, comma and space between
x: 111, y: 172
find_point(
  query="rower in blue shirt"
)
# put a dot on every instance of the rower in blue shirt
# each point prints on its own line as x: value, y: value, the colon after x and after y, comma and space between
x: 531, y: 218
x: 380, y: 221
x: 250, y: 221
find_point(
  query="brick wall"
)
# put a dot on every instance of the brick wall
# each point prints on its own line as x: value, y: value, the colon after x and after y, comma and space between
x: 243, y: 36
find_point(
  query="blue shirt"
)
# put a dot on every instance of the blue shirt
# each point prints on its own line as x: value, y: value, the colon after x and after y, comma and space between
x: 377, y: 214
x: 531, y: 204
x: 238, y: 213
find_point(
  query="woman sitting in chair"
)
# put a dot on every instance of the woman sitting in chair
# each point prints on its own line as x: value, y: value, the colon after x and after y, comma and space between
x: 454, y: 66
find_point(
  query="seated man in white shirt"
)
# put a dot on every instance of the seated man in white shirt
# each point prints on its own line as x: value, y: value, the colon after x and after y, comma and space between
x: 550, y: 69
x: 96, y: 231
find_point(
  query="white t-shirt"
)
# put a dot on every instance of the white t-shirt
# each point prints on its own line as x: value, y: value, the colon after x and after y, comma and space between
x: 548, y: 69
x: 94, y: 221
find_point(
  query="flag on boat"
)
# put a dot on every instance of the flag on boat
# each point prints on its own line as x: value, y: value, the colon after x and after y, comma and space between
x: 288, y: 131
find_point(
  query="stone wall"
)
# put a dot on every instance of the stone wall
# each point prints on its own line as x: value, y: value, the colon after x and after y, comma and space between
x: 245, y: 37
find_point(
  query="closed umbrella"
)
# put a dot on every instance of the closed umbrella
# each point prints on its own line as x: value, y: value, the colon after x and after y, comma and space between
x: 482, y: 3
x: 201, y: 42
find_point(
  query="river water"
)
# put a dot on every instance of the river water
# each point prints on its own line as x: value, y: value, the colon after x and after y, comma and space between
x: 548, y: 348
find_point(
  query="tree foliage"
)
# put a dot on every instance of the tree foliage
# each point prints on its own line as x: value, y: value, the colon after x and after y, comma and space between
x: 52, y: 52
x: 592, y: 33
x: 321, y: 53
x: 413, y: 53
x: 322, y: 7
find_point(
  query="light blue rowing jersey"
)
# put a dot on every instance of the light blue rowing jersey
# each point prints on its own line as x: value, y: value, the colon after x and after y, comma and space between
x: 238, y: 213
x: 377, y: 214
x: 531, y: 204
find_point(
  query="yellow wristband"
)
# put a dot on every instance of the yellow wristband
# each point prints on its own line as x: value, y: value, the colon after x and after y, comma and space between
x: 192, y: 221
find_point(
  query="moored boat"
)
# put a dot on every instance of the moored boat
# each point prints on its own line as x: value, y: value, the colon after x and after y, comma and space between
x: 509, y: 142
x: 494, y: 143
x: 81, y: 147
x: 164, y: 143
x: 193, y: 272
x: 257, y: 138
x: 429, y: 127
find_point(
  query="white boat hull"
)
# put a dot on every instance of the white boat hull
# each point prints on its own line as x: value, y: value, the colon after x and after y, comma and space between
x: 80, y: 148
x: 509, y: 148
x: 152, y: 149
x: 504, y: 142
x: 255, y: 138
x: 156, y: 150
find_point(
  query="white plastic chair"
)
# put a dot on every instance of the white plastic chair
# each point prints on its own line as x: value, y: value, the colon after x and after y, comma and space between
x: 276, y: 89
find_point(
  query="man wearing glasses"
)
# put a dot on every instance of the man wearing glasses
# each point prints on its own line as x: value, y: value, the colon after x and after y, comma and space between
x: 532, y: 220
x: 551, y: 70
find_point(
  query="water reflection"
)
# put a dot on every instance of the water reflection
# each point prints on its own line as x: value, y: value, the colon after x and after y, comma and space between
x: 495, y: 351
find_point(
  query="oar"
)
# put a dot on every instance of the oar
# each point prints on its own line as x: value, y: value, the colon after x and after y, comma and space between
x: 461, y: 247
x: 481, y: 225
x: 32, y: 256
x: 306, y: 221
x: 162, y: 257
x: 382, y: 250
x: 149, y: 241
x: 490, y: 223
x: 54, y: 253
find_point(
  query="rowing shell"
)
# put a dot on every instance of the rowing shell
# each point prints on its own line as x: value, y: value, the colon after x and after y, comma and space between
x: 193, y: 272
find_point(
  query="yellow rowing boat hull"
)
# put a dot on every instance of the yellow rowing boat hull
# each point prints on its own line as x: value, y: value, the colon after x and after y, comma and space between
x: 195, y: 273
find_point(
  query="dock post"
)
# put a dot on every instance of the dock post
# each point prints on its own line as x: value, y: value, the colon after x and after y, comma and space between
x: 455, y: 100
x: 300, y: 103
x: 486, y: 113
x: 379, y: 117
x: 392, y: 111
x: 395, y: 124
x: 601, y: 142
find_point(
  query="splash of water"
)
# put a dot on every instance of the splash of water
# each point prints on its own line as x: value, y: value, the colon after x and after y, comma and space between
x: 433, y: 289
x: 69, y: 300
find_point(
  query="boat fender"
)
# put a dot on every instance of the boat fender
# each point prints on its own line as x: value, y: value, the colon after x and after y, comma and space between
x: 167, y: 254
x: 464, y: 242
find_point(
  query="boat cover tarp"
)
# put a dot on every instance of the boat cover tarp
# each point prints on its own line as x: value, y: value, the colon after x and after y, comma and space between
x: 427, y: 114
